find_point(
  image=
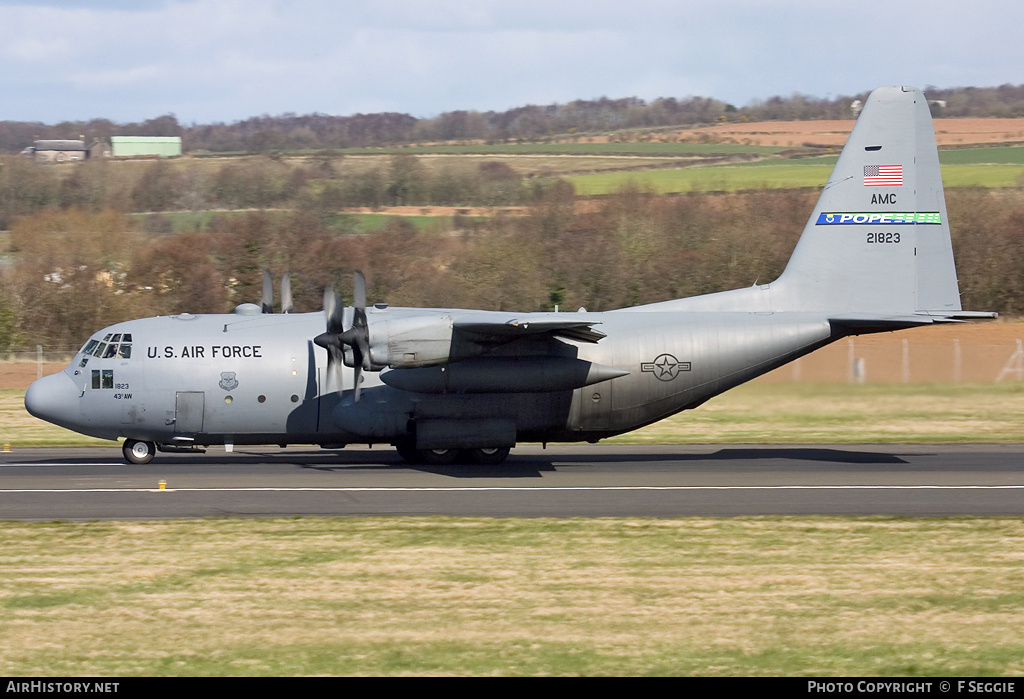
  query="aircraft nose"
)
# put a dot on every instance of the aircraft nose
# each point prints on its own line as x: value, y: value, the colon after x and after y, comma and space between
x: 54, y: 398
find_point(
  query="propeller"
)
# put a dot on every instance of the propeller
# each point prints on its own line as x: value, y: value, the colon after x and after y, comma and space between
x: 267, y: 300
x: 356, y: 338
x: 286, y: 293
x: 334, y: 315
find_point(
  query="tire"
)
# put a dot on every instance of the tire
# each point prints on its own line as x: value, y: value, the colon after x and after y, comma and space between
x: 136, y: 452
x: 408, y: 453
x: 437, y: 457
x: 488, y: 457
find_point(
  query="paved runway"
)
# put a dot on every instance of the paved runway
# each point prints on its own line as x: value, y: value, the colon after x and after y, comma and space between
x: 560, y: 481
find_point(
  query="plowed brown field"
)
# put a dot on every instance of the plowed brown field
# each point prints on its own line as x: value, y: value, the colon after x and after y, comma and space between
x: 792, y: 134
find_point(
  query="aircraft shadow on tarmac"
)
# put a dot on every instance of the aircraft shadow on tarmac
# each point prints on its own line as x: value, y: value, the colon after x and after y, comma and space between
x: 534, y: 465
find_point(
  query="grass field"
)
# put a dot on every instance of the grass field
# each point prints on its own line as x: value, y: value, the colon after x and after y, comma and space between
x: 753, y: 413
x: 475, y: 596
x: 368, y: 223
x: 1012, y: 155
x: 781, y: 175
x: 813, y: 172
x: 640, y: 149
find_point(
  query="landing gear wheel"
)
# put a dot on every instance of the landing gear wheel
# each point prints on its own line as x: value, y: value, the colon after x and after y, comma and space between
x: 136, y: 452
x: 408, y: 453
x: 488, y: 457
x: 437, y: 457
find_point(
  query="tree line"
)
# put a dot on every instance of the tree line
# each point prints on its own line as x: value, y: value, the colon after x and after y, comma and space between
x: 323, y: 185
x: 74, y: 271
x: 531, y: 122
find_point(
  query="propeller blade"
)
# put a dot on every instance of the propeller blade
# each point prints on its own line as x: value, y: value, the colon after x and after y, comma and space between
x: 286, y: 293
x: 329, y: 301
x: 357, y: 337
x: 335, y: 355
x: 333, y: 311
x: 267, y: 302
x: 333, y: 339
x: 360, y: 295
x: 359, y: 333
x: 360, y: 324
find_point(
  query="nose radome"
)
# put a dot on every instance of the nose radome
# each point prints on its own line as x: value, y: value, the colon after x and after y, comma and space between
x: 54, y: 398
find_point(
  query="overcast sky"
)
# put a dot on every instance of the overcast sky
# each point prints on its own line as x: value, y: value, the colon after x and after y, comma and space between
x: 225, y: 60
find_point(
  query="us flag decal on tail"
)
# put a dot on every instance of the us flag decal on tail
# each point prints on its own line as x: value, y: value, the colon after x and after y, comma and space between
x: 883, y: 175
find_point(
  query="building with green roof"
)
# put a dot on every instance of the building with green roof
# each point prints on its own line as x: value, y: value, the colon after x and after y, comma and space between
x: 134, y: 146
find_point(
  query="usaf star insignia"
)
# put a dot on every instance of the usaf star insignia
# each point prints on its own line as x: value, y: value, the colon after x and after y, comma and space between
x: 665, y: 367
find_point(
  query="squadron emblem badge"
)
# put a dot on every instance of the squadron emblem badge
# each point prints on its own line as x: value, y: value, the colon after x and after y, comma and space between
x: 228, y: 381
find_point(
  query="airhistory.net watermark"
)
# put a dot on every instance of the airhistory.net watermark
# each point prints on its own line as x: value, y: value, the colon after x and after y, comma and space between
x: 61, y: 687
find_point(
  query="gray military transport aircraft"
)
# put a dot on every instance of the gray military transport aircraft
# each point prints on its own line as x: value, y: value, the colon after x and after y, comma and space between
x: 442, y: 384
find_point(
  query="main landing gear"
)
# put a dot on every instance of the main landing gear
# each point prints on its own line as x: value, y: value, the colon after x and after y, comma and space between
x: 443, y: 457
x: 136, y: 452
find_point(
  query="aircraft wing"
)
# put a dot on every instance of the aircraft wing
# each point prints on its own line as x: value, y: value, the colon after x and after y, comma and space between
x: 505, y: 327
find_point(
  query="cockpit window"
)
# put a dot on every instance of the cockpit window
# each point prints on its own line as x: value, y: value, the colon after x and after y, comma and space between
x: 112, y: 345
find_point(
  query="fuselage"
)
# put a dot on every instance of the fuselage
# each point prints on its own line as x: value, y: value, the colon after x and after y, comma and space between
x: 259, y: 379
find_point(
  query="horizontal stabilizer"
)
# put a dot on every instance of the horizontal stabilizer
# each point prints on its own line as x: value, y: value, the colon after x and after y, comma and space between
x: 958, y: 316
x: 860, y: 323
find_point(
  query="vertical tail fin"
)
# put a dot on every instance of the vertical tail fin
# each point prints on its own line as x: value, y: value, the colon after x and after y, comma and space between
x: 878, y: 241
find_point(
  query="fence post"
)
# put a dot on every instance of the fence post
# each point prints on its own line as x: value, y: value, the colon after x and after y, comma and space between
x: 851, y: 370
x: 39, y: 361
x: 905, y: 363
x: 1015, y: 364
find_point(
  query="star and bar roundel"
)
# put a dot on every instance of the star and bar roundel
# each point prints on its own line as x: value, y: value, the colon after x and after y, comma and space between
x: 665, y: 367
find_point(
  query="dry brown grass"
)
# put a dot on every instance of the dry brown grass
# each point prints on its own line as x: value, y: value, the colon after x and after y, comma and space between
x: 479, y: 596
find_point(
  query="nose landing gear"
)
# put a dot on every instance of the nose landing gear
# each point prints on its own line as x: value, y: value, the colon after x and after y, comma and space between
x: 136, y: 452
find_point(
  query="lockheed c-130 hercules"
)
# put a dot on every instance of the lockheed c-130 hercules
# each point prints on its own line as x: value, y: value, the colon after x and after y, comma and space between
x: 441, y: 384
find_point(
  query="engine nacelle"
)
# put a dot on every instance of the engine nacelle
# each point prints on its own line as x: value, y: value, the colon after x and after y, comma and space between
x: 423, y: 339
x: 532, y: 374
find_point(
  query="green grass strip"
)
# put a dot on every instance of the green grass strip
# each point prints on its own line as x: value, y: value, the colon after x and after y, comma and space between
x: 475, y: 596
